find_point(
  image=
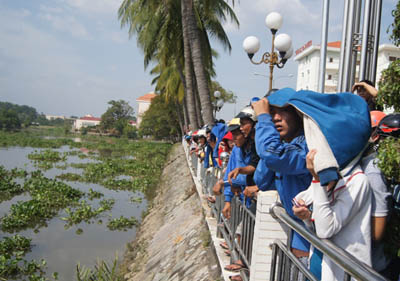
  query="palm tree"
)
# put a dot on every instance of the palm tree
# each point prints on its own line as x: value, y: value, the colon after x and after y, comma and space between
x: 162, y: 33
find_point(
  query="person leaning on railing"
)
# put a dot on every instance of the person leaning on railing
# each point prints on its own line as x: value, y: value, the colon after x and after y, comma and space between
x: 248, y: 121
x: 241, y: 156
x: 340, y: 195
x: 281, y: 145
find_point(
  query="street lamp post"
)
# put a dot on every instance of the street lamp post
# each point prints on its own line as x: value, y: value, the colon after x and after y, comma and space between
x: 218, y: 103
x: 282, y: 42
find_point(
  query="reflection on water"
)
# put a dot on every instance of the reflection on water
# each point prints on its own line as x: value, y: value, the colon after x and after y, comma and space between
x: 63, y: 248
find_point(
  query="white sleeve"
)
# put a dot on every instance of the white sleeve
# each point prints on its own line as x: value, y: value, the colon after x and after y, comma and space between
x: 329, y: 218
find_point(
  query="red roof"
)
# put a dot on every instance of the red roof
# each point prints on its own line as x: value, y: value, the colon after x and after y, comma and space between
x: 335, y: 44
x: 90, y: 118
x: 147, y: 97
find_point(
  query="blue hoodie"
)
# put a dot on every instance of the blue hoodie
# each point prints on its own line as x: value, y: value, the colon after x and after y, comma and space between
x: 219, y: 130
x: 282, y: 166
x: 343, y: 118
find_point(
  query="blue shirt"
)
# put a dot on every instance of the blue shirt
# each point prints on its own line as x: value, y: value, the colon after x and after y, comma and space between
x: 236, y: 160
x: 282, y: 167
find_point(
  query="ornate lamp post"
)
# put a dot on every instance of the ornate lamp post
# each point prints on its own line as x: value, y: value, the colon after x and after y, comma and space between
x: 218, y: 103
x: 282, y: 42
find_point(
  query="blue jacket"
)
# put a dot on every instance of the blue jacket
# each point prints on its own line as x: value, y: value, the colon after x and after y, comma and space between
x: 282, y: 167
x: 343, y: 118
x: 236, y: 159
x: 219, y: 130
x: 209, y: 154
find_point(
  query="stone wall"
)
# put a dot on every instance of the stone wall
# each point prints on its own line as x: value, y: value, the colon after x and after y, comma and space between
x: 173, y: 241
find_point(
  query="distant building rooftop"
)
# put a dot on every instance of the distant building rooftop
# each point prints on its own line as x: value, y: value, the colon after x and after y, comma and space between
x: 90, y: 118
x: 147, y: 97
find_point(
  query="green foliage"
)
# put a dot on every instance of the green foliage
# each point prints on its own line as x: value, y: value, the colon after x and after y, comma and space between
x: 226, y: 96
x: 9, y: 120
x: 25, y: 114
x: 389, y: 148
x: 8, y: 187
x: 130, y: 131
x: 84, y: 212
x: 28, y: 138
x: 117, y: 116
x: 395, y: 26
x: 48, y: 197
x: 69, y: 177
x: 122, y: 223
x: 389, y: 158
x: 101, y: 272
x: 47, y: 155
x: 389, y: 86
x: 161, y: 120
x: 12, y: 263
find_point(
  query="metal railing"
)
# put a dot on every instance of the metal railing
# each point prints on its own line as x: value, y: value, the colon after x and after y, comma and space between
x: 284, y: 265
x: 242, y: 219
x: 351, y: 266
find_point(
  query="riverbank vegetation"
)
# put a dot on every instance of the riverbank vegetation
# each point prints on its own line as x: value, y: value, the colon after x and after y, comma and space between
x: 113, y: 163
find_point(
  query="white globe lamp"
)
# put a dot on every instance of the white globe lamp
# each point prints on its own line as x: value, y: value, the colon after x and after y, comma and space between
x: 251, y: 45
x: 283, y: 42
x: 288, y: 54
x: 217, y: 94
x: 274, y: 21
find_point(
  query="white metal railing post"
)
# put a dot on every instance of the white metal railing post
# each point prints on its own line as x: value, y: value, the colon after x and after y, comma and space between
x: 266, y: 230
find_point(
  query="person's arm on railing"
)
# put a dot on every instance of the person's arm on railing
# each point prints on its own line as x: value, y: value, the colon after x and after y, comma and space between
x: 330, y: 218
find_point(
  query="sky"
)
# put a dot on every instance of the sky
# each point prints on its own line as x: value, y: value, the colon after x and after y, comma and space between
x: 71, y: 57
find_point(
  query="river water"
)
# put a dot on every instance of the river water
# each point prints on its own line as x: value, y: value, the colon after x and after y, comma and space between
x: 63, y: 248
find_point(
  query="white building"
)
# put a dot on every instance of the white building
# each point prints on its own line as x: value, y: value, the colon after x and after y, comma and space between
x: 308, y: 57
x: 54, y: 117
x: 144, y: 104
x: 86, y: 121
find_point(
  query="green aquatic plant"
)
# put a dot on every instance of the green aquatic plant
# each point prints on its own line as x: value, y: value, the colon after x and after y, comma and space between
x: 8, y: 187
x: 122, y: 223
x: 47, y: 155
x: 12, y: 262
x: 69, y: 177
x: 92, y: 194
x: 136, y: 199
x: 85, y: 212
x: 101, y: 272
x: 48, y: 197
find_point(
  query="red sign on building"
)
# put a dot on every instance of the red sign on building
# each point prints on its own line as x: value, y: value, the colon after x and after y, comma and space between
x: 302, y: 48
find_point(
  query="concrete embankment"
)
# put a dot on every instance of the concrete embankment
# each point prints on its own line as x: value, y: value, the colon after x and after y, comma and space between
x: 173, y: 241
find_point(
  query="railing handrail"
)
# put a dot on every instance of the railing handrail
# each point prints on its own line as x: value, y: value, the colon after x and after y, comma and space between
x: 345, y: 260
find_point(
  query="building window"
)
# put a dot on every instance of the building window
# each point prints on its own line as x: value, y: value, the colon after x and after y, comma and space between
x: 330, y: 59
x: 329, y: 77
x: 302, y: 74
x: 392, y: 58
x: 308, y: 71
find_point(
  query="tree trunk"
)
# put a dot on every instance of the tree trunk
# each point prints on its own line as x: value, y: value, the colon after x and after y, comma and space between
x: 200, y: 119
x: 184, y: 103
x: 188, y: 70
x: 197, y: 59
x: 180, y: 118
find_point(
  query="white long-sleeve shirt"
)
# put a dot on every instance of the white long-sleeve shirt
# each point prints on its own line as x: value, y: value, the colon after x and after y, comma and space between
x: 344, y: 217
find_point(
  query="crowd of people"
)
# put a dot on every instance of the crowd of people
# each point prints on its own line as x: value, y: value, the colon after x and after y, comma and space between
x: 319, y: 151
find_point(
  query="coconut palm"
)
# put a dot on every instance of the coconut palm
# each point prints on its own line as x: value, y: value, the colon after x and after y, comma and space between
x: 160, y: 31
